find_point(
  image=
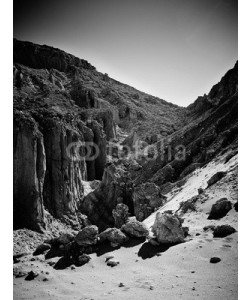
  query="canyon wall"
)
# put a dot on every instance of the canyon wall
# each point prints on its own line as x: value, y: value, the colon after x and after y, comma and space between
x: 47, y: 174
x: 61, y: 100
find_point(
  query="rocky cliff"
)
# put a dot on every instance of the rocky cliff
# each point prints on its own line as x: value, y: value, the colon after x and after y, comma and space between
x: 212, y: 130
x: 64, y: 107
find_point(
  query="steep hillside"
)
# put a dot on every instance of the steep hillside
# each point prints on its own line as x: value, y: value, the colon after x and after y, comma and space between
x: 60, y: 99
x: 48, y: 74
x: 163, y: 166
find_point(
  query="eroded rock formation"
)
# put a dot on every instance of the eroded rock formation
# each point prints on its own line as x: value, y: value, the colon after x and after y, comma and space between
x: 61, y: 100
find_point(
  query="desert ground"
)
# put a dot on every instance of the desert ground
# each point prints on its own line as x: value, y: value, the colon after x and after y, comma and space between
x: 145, y: 271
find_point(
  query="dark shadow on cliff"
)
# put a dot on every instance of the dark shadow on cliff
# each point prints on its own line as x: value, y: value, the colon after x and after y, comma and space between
x: 147, y: 250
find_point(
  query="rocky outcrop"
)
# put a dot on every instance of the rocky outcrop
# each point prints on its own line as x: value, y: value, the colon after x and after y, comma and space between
x: 227, y: 87
x: 63, y: 187
x: 45, y: 57
x: 50, y: 167
x: 103, y: 117
x: 116, y: 187
x: 60, y: 100
x: 211, y: 129
x: 167, y: 229
x: 29, y: 173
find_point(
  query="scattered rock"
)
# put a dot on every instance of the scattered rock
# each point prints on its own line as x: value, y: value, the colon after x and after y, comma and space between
x: 135, y: 228
x: 31, y: 275
x: 214, y: 260
x: 168, y: 229
x: 216, y: 177
x: 112, y: 263
x: 121, y: 284
x: 41, y: 249
x: 45, y: 279
x: 109, y: 257
x: 87, y: 236
x: 200, y: 191
x: 223, y: 231
x: 83, y: 259
x: 220, y: 209
x: 114, y: 235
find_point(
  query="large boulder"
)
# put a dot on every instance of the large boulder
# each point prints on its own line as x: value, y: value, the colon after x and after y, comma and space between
x: 114, y: 235
x: 120, y: 214
x: 168, y: 229
x: 87, y: 236
x: 220, y: 209
x: 216, y: 177
x: 135, y: 228
x: 223, y: 231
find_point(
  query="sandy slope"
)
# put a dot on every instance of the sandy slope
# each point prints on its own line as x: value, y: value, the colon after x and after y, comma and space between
x: 180, y: 272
